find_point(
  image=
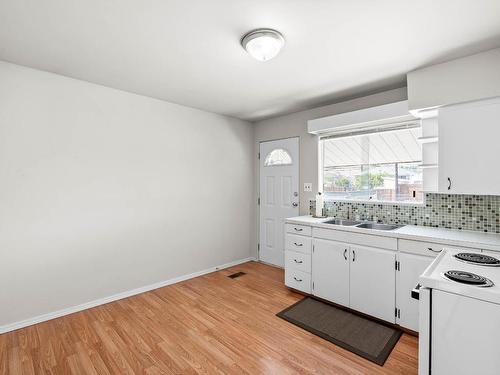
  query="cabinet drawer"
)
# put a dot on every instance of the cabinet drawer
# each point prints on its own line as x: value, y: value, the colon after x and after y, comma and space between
x: 303, y: 230
x: 298, y: 243
x: 298, y: 261
x: 298, y: 280
x: 430, y: 249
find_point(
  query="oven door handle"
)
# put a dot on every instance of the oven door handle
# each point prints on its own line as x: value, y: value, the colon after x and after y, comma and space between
x: 415, y: 292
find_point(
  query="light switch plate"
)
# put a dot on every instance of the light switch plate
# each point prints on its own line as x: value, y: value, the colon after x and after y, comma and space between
x: 308, y: 186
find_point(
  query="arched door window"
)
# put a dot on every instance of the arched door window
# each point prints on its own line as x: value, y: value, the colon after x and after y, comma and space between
x: 277, y: 156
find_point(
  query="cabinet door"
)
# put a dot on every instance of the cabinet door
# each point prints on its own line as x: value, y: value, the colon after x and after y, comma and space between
x: 330, y: 271
x: 468, y: 148
x: 410, y: 268
x: 372, y: 282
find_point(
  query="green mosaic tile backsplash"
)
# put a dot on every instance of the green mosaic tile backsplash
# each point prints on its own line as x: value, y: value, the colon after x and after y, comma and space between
x: 463, y: 212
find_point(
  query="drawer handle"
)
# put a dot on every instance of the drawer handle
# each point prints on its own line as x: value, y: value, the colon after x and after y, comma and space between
x: 298, y: 229
x: 298, y: 244
x: 298, y: 261
x: 299, y: 280
x: 434, y: 251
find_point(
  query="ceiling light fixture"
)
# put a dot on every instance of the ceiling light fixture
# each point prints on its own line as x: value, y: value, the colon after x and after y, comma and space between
x: 263, y: 44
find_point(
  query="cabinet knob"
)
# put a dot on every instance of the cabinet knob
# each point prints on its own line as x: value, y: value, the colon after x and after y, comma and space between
x: 299, y: 280
x: 449, y: 183
x: 298, y: 229
x: 298, y: 244
x: 345, y: 254
x: 298, y: 261
x: 353, y: 255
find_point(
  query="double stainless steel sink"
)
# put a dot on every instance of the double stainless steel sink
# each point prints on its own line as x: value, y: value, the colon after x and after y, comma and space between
x: 361, y: 224
x: 378, y: 226
x: 342, y: 222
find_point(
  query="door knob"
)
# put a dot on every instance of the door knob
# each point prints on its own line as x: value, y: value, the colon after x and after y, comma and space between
x: 295, y: 194
x: 294, y: 204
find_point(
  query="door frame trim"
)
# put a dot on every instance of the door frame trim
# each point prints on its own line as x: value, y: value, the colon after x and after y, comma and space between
x: 281, y: 139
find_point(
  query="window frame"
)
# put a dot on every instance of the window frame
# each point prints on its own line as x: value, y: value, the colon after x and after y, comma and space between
x: 365, y: 130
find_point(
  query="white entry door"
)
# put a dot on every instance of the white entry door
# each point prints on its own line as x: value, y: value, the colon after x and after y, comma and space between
x: 279, y: 195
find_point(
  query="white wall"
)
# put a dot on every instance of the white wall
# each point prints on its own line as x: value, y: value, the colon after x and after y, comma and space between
x: 103, y: 191
x: 295, y: 124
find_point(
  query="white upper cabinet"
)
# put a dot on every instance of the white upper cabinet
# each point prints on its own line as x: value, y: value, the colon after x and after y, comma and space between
x: 469, y: 148
x: 466, y: 79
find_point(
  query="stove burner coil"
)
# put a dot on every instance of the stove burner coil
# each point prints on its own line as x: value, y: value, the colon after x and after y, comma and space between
x: 479, y: 259
x: 468, y: 278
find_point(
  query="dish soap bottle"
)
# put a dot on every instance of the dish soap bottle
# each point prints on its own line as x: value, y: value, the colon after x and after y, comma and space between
x: 319, y: 205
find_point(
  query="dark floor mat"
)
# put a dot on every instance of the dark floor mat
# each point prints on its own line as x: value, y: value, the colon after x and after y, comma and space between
x: 365, y: 337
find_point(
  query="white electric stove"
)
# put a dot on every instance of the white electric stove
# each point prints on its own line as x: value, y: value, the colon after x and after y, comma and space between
x: 460, y: 314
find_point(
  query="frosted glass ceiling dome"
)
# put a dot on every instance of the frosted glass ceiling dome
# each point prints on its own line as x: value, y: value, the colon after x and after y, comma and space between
x: 263, y: 44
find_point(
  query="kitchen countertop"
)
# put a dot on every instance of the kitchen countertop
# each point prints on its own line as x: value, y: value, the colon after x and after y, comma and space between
x: 449, y: 237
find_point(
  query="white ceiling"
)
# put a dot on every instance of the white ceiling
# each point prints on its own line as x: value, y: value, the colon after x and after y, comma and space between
x: 188, y: 52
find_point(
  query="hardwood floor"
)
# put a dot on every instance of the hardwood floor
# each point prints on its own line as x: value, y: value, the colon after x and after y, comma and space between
x: 210, y: 324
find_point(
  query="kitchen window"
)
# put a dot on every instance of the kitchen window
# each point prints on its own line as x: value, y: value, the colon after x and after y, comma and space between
x: 373, y: 165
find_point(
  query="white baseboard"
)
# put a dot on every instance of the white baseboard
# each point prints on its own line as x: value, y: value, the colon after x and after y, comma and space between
x: 115, y: 297
x: 270, y: 264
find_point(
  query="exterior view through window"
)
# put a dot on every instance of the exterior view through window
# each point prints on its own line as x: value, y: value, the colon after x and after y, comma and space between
x: 382, y: 165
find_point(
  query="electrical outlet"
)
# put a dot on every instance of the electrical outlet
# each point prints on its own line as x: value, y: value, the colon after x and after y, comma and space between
x: 308, y: 186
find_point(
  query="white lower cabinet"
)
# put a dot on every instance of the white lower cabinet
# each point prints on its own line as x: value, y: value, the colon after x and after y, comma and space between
x: 410, y: 267
x: 361, y: 278
x: 330, y: 270
x: 298, y: 258
x: 372, y: 282
x: 344, y: 268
